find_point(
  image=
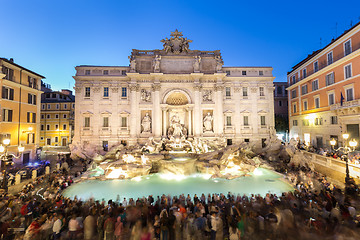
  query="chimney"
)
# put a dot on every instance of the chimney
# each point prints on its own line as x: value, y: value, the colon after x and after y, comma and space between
x: 11, y: 60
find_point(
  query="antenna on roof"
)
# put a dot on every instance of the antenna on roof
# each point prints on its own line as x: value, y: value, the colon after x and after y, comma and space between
x: 320, y: 42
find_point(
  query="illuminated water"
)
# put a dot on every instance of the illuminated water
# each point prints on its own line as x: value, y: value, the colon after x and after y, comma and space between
x: 156, y: 185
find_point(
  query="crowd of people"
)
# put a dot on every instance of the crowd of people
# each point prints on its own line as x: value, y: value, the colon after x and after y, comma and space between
x: 316, y: 209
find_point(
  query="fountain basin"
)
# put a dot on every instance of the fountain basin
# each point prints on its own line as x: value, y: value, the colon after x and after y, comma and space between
x: 262, y: 182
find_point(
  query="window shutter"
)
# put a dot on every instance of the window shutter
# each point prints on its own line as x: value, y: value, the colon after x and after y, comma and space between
x: 10, y: 113
x: 3, y: 92
x: 11, y: 97
x: 28, y: 117
x: 34, y: 100
x: 34, y: 118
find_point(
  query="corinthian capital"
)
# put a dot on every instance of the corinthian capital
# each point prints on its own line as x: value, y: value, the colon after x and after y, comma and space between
x: 197, y: 87
x: 156, y: 87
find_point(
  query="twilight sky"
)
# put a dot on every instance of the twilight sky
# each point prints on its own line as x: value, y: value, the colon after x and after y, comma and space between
x: 51, y: 37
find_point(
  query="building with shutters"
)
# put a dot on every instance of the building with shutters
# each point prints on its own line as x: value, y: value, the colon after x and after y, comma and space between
x: 324, y: 92
x: 20, y: 108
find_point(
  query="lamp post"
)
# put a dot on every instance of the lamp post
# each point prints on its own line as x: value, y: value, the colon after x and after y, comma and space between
x: 346, y: 150
x: 4, y: 160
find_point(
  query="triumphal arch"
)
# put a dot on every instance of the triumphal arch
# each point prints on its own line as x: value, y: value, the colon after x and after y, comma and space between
x: 173, y: 92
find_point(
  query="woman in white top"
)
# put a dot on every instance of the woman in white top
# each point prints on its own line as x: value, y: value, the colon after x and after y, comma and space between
x: 234, y: 233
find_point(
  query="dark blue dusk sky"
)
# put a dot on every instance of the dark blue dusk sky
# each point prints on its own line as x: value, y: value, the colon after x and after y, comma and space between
x: 51, y: 37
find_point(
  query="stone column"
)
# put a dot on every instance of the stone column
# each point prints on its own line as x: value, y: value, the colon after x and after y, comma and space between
x: 219, y: 112
x: 255, y: 117
x: 197, y: 111
x: 237, y: 114
x: 156, y: 123
x: 164, y: 111
x: 134, y: 109
x: 190, y: 125
x: 270, y: 99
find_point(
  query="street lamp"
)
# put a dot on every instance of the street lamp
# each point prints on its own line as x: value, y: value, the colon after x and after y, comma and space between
x: 4, y: 159
x: 345, y: 150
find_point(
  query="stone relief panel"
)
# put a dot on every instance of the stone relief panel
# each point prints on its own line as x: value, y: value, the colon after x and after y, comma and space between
x: 145, y: 95
x: 207, y: 95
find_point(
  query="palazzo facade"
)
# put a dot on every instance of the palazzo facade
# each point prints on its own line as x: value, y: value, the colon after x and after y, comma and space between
x: 172, y: 93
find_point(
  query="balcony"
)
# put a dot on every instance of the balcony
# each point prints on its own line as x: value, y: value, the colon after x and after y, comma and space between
x: 345, y: 105
x: 246, y: 130
x: 86, y: 131
x: 229, y: 129
x: 123, y: 131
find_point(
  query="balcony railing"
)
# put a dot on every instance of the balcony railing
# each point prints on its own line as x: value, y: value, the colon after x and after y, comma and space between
x: 324, y: 64
x: 353, y: 103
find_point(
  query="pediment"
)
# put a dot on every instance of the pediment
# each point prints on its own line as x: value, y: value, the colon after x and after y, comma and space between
x: 262, y: 111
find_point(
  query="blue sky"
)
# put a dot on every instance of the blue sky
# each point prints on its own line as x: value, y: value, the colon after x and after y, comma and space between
x: 52, y: 37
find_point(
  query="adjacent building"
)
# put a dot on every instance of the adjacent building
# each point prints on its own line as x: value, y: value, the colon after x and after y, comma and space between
x: 57, y: 117
x: 324, y: 92
x: 281, y: 109
x: 172, y: 93
x: 20, y: 108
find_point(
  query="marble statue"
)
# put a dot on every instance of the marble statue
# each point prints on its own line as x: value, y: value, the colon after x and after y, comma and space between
x: 156, y: 63
x: 208, y: 122
x: 207, y: 96
x: 219, y: 63
x: 176, y: 44
x: 132, y: 64
x: 146, y: 124
x: 145, y: 95
x: 197, y: 64
x: 176, y: 129
x: 167, y: 45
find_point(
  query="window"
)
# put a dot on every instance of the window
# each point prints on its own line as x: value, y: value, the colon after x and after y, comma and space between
x: 105, y: 145
x: 56, y: 115
x: 106, y: 92
x: 293, y: 93
x: 262, y: 120
x: 294, y: 108
x: 316, y: 66
x: 330, y: 79
x: 48, y: 141
x: 87, y: 122
x: 318, y: 121
x: 87, y: 91
x: 279, y: 90
x: 64, y: 116
x: 7, y: 115
x: 245, y: 91
x: 123, y: 122
x: 43, y: 106
x: 42, y: 116
x: 64, y: 127
x: 48, y: 106
x: 73, y: 105
x: 317, y: 102
x: 261, y: 73
x: 47, y: 127
x: 304, y: 89
x: 48, y: 116
x: 31, y: 99
x: 246, y: 140
x: 243, y: 73
x: 57, y: 106
x: 333, y: 120
x: 295, y: 122
x: 30, y: 138
x: 9, y: 73
x: 293, y: 79
x: 227, y: 92
x: 56, y: 127
x: 304, y: 73
x: 315, y: 85
x: 7, y: 93
x: 123, y: 72
x: 42, y: 127
x: 305, y: 103
x: 280, y: 103
x: 31, y: 117
x: 53, y: 95
x: 349, y: 94
x: 331, y: 98
x: 347, y: 47
x: 56, y: 139
x: 106, y: 72
x: 32, y: 82
x: 347, y: 70
x: 330, y: 58
x: 246, y: 120
x: 124, y: 92
x: 65, y: 106
x: 262, y: 93
x: 228, y: 120
x: 227, y: 73
x: 87, y: 72
x: 105, y: 121
x: 305, y: 122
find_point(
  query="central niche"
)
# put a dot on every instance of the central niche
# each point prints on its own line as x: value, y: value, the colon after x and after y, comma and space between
x: 177, y: 98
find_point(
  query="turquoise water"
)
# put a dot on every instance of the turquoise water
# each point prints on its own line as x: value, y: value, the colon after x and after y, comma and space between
x: 156, y: 185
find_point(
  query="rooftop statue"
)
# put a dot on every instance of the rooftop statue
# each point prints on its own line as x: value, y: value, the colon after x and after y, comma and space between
x: 176, y: 44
